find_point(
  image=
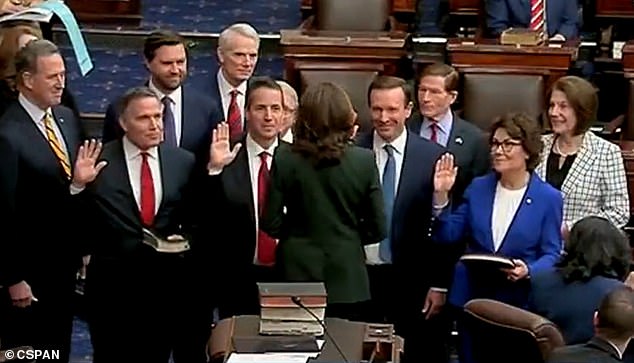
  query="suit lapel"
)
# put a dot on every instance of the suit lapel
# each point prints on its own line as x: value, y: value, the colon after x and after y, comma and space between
x: 455, y: 141
x: 167, y: 177
x: 239, y: 177
x: 405, y: 182
x: 67, y: 134
x: 583, y: 162
x: 487, y: 211
x: 186, y: 127
x: 118, y: 170
x: 523, y: 213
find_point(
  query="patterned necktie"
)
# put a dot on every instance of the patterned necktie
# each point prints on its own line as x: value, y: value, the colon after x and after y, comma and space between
x: 169, y: 123
x: 389, y: 191
x: 434, y: 132
x: 234, y: 118
x: 147, y: 192
x: 537, y: 15
x: 55, y: 144
x: 266, y: 244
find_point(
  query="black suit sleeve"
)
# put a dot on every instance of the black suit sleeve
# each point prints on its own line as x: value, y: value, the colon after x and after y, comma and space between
x: 482, y: 159
x: 273, y: 221
x: 372, y: 220
x: 13, y: 256
x: 111, y: 129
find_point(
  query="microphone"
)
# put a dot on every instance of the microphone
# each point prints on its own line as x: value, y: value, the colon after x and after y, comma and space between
x: 298, y: 301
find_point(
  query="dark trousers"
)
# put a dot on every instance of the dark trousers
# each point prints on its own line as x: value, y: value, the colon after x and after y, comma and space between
x: 239, y: 294
x: 393, y: 302
x: 149, y: 310
x: 47, y: 324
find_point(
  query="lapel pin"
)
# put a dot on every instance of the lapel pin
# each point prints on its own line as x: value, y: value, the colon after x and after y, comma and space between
x: 459, y: 140
x: 61, y: 120
x: 529, y: 201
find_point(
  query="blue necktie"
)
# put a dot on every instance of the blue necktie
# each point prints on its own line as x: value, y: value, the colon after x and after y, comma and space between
x: 389, y: 188
x: 169, y: 127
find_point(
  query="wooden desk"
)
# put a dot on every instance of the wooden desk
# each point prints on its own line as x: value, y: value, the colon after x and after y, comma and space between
x: 465, y: 7
x: 397, y: 6
x: 123, y: 12
x: 488, y: 56
x: 615, y: 8
x: 349, y: 50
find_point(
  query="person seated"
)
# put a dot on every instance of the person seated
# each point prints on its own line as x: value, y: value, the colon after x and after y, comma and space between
x: 596, y: 261
x: 559, y: 19
x: 613, y: 330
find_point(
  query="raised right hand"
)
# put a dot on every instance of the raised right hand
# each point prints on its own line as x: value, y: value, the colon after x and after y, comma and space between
x: 445, y: 174
x: 21, y: 294
x: 220, y: 153
x: 86, y: 166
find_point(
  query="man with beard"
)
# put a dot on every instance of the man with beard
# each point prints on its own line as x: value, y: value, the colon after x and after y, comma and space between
x: 188, y: 115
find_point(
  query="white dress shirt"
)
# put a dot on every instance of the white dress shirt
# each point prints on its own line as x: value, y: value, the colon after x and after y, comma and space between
x: 225, y: 88
x: 37, y: 115
x: 505, y: 205
x: 253, y: 157
x: 177, y: 108
x: 133, y: 160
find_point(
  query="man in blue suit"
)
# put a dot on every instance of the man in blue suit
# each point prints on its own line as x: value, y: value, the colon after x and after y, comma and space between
x: 188, y: 115
x: 562, y: 19
x: 406, y: 166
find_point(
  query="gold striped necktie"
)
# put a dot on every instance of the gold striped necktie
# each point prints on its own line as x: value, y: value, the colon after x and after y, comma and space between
x: 55, y: 144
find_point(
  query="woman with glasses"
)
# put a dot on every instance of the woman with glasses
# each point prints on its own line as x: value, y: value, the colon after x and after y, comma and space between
x: 587, y: 169
x: 509, y: 212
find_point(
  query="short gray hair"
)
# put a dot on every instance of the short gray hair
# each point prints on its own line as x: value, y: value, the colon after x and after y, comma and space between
x: 290, y: 91
x: 134, y: 94
x: 26, y: 58
x: 243, y: 29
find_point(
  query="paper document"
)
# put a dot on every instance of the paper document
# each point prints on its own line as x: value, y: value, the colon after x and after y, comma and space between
x: 372, y: 254
x: 36, y: 14
x: 274, y: 357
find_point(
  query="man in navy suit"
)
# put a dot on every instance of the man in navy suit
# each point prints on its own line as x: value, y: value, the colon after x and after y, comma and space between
x: 562, y: 18
x: 406, y: 166
x: 237, y: 55
x: 188, y: 116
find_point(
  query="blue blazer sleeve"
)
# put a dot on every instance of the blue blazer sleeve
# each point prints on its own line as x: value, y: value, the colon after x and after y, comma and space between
x: 452, y: 225
x: 551, y: 241
x: 497, y: 14
x: 569, y: 19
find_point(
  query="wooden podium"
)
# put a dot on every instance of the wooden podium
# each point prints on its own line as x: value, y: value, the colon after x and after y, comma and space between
x: 120, y: 12
x: 615, y: 8
x: 488, y: 56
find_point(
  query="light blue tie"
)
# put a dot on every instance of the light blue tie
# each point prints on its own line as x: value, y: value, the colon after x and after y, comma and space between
x: 389, y: 187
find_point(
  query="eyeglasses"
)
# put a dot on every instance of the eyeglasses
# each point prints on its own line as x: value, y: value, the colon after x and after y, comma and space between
x: 507, y: 145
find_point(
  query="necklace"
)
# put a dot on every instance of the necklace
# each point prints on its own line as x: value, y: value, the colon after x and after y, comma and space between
x: 558, y: 150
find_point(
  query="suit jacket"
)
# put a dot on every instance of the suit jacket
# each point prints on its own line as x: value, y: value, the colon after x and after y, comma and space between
x: 468, y: 145
x: 569, y: 305
x: 561, y: 16
x: 413, y: 252
x: 597, y: 350
x: 39, y: 243
x: 596, y: 183
x: 200, y: 116
x: 534, y: 236
x: 323, y: 216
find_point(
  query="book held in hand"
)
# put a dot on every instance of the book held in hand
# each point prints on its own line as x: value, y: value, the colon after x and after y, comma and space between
x: 173, y: 244
x: 487, y: 261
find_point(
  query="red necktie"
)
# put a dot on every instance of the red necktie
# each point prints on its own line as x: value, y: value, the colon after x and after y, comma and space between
x: 434, y: 132
x: 147, y: 192
x: 234, y: 118
x: 537, y: 15
x: 266, y: 244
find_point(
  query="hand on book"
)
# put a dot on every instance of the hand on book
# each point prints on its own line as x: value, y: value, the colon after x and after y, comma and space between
x: 220, y: 152
x: 86, y: 166
x: 519, y: 272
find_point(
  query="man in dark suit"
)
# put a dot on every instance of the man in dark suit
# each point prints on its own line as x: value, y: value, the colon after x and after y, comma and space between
x: 435, y: 121
x: 188, y: 116
x: 560, y: 18
x: 406, y: 165
x: 39, y: 251
x: 237, y: 55
x: 144, y: 184
x: 614, y: 328
x: 242, y: 252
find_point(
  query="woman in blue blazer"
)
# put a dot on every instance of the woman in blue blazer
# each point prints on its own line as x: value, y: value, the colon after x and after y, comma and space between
x: 509, y: 212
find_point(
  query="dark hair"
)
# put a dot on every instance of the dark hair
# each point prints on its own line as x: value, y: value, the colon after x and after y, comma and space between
x: 595, y: 247
x: 324, y: 122
x: 389, y: 82
x: 524, y: 128
x: 582, y: 97
x: 159, y: 39
x: 26, y: 58
x: 616, y: 314
x: 262, y: 82
x: 449, y: 73
x: 134, y: 94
